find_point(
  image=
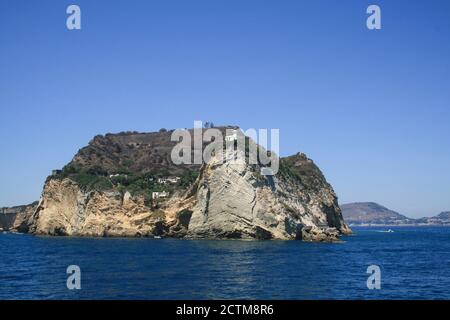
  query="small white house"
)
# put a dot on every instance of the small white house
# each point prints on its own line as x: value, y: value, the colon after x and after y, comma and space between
x: 172, y: 180
x: 232, y: 137
x: 111, y: 176
x: 162, y: 181
x: 160, y: 195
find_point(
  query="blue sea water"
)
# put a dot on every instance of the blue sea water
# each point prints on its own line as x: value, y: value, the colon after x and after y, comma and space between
x: 414, y: 262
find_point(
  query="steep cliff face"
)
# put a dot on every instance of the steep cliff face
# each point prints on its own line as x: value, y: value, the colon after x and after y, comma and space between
x: 233, y: 200
x: 7, y: 220
x: 227, y: 201
x: 16, y: 218
x: 65, y: 209
x: 108, y: 188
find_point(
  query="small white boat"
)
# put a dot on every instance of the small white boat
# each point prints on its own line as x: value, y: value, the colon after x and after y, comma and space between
x: 386, y: 231
x: 157, y: 237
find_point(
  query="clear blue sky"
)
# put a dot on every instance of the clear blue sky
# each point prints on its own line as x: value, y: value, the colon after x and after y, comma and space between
x: 372, y: 108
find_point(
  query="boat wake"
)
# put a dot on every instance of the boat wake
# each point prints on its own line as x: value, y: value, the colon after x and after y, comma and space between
x: 385, y: 231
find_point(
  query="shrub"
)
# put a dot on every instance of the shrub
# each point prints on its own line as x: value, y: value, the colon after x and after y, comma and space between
x: 188, y: 178
x: 97, y: 170
x: 70, y: 169
x: 88, y: 181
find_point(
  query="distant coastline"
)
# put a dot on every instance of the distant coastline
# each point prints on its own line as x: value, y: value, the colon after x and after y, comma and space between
x: 400, y: 225
x: 371, y: 214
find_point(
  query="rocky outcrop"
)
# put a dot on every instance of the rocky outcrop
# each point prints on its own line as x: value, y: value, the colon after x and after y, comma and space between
x: 227, y: 200
x: 233, y: 200
x: 65, y: 209
x: 16, y: 218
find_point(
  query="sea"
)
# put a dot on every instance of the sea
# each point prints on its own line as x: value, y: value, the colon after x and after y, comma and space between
x: 410, y: 263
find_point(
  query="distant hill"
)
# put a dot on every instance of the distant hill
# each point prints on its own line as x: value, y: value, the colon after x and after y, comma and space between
x: 441, y: 219
x: 373, y: 214
x: 360, y: 213
x: 444, y: 215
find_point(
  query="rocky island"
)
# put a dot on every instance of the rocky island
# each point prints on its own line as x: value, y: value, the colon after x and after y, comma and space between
x: 125, y: 185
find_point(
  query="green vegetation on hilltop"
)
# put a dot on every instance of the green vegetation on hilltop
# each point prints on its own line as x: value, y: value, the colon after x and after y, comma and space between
x: 288, y: 171
x: 97, y: 179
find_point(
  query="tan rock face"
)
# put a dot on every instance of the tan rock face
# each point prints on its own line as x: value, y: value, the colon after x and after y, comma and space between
x: 16, y: 218
x: 228, y: 200
x: 66, y: 210
x: 233, y: 200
